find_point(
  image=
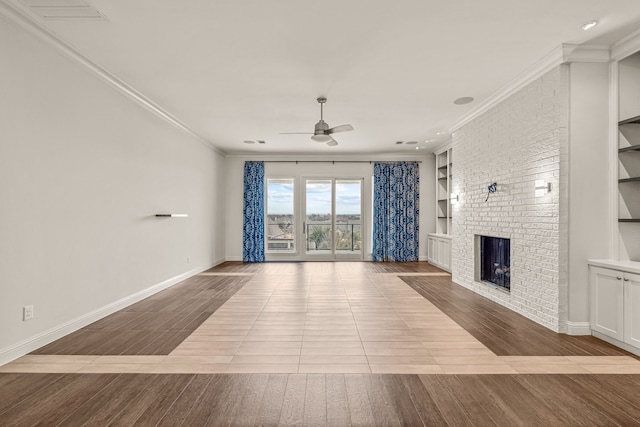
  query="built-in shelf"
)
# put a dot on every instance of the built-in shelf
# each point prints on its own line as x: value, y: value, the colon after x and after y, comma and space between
x: 632, y: 120
x: 629, y: 220
x: 631, y: 148
x: 636, y: 179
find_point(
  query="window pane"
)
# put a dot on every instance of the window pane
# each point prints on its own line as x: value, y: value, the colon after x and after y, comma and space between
x: 319, y: 217
x: 348, y: 216
x: 280, y: 219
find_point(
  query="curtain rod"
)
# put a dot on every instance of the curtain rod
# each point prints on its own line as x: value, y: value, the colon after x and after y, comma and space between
x: 340, y: 161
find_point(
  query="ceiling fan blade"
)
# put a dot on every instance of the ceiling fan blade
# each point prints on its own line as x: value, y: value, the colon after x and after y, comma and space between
x: 332, y: 143
x: 323, y: 137
x: 341, y: 128
x: 295, y: 133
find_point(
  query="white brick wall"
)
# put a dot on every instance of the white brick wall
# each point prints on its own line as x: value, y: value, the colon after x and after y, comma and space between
x: 522, y: 139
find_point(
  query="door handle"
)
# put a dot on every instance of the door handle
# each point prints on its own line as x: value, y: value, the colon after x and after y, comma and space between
x: 626, y: 280
x: 618, y: 278
x: 304, y: 227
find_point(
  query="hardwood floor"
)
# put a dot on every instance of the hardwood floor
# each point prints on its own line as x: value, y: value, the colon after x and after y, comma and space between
x: 503, y: 331
x: 155, y: 325
x: 319, y: 399
x: 320, y: 344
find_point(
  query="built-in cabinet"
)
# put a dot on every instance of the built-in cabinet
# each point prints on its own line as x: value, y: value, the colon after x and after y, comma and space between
x: 439, y: 251
x: 629, y: 158
x: 439, y: 243
x: 615, y: 304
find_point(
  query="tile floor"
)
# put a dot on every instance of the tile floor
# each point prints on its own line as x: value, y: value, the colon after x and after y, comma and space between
x: 337, y: 320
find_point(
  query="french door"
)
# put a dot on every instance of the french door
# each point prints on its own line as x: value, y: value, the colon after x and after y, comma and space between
x: 332, y: 219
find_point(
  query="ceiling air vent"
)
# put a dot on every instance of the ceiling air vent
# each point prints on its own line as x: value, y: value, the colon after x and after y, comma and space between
x: 63, y: 9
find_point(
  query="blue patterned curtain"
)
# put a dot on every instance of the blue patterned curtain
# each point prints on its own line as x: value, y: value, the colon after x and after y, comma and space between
x: 253, y: 224
x: 396, y: 197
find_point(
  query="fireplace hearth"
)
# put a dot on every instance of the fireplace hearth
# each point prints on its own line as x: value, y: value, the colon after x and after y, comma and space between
x: 494, y: 261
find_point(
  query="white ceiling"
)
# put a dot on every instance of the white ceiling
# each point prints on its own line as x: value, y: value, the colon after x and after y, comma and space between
x: 234, y: 70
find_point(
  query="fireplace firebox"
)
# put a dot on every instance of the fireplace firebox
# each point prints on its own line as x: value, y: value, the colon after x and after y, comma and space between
x: 495, y: 261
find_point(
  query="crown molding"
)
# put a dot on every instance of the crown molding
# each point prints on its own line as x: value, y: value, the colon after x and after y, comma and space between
x: 586, y: 53
x: 627, y: 46
x: 15, y: 14
x: 325, y: 158
x: 563, y: 54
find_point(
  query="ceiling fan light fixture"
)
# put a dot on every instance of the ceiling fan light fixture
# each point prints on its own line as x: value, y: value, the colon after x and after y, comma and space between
x: 321, y: 138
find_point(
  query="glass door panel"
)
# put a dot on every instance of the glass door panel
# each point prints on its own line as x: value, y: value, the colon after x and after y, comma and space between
x: 348, y: 208
x: 319, y: 217
x: 280, y: 221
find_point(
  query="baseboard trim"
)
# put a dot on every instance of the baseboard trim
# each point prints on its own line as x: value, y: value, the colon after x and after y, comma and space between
x: 578, y: 328
x: 28, y: 345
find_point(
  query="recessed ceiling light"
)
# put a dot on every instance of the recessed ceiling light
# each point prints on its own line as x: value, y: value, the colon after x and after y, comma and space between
x: 440, y: 133
x: 463, y: 100
x: 417, y: 148
x: 411, y: 142
x: 589, y: 25
x: 249, y: 142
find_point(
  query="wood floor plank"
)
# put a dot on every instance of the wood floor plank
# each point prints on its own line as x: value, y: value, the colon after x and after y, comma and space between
x: 515, y: 399
x: 605, y: 401
x: 381, y: 403
x: 452, y: 409
x: 422, y: 401
x: 401, y: 401
x: 15, y: 391
x: 315, y: 405
x: 271, y: 405
x: 360, y: 411
x: 33, y: 399
x: 337, y: 403
x: 551, y: 391
x: 109, y: 401
x: 151, y: 403
x: 181, y: 407
x: 209, y: 401
x: 228, y: 401
x: 293, y: 403
x: 246, y: 412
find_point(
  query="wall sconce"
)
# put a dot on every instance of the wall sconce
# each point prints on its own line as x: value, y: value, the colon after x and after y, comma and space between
x: 455, y: 198
x: 542, y: 187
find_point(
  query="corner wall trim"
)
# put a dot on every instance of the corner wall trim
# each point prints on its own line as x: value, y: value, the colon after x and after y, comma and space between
x: 28, y: 345
x: 578, y: 328
x: 21, y: 18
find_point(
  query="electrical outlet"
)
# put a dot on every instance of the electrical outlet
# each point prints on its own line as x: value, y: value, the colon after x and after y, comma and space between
x: 27, y: 312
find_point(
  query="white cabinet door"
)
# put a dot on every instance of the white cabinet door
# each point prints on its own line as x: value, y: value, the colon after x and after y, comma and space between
x: 444, y: 253
x: 431, y: 249
x: 632, y: 309
x: 607, y: 302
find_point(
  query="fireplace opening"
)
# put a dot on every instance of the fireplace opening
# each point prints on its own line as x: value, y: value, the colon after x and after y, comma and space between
x: 495, y: 261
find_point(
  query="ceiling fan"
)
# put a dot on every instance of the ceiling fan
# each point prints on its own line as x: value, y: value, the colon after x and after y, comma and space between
x: 322, y: 133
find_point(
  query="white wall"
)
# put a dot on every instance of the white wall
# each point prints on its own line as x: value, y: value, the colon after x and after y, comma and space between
x: 235, y: 168
x: 82, y: 172
x: 520, y: 140
x: 588, y: 183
